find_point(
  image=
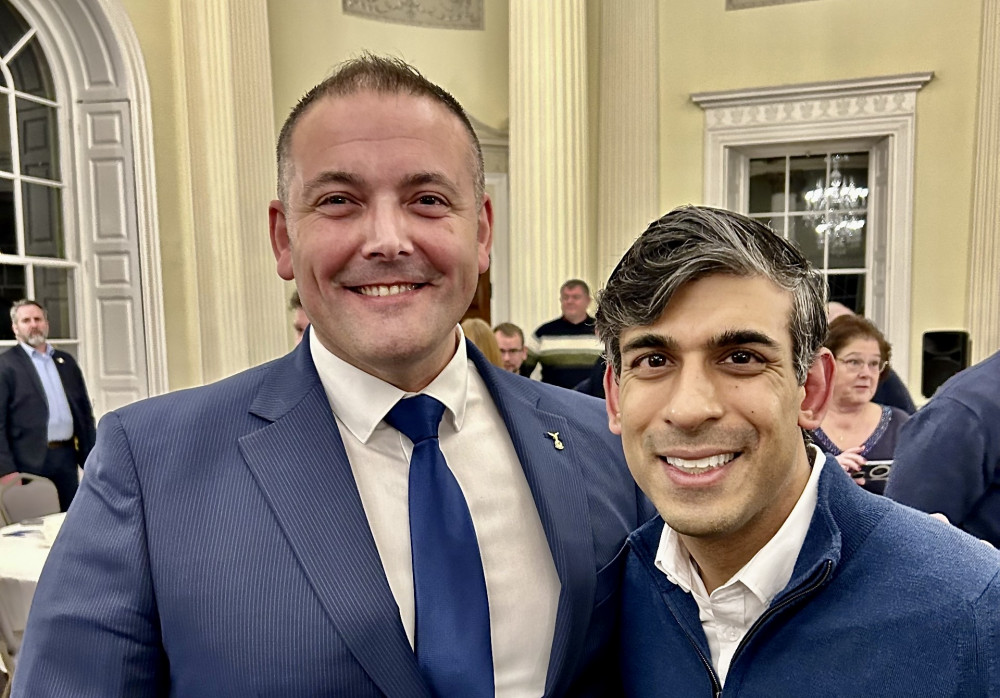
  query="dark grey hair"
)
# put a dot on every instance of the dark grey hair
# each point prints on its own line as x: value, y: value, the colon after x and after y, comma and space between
x: 384, y: 75
x: 23, y: 302
x: 693, y: 242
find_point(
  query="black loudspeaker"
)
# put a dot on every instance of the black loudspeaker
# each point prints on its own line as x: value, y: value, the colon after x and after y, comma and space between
x: 945, y: 354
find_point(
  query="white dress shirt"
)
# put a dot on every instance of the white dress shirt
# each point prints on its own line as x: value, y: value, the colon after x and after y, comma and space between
x: 728, y: 612
x: 521, y: 580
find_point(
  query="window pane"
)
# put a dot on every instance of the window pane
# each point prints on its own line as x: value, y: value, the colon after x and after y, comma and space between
x: 847, y: 243
x: 805, y: 173
x: 12, y: 288
x: 12, y: 27
x: 767, y: 185
x: 854, y: 168
x: 38, y: 140
x: 43, y: 229
x: 31, y: 71
x: 6, y: 157
x: 803, y: 235
x: 848, y: 289
x: 8, y: 239
x: 52, y: 289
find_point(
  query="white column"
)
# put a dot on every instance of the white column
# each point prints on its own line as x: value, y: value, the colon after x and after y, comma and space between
x: 984, y: 245
x: 629, y: 151
x: 549, y: 227
x: 229, y: 129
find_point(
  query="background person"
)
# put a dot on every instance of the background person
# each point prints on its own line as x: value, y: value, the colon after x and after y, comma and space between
x: 510, y: 340
x: 46, y: 417
x: 263, y: 536
x: 299, y: 320
x: 768, y: 572
x: 891, y: 390
x: 856, y: 430
x: 566, y: 348
x: 948, y: 457
x: 479, y: 333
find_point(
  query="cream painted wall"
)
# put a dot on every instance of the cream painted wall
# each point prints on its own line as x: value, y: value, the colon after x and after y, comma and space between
x: 706, y: 48
x: 310, y: 37
x: 155, y: 26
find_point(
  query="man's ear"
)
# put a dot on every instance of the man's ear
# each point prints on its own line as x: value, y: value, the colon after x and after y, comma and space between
x: 818, y: 390
x: 484, y: 233
x: 281, y: 244
x: 612, y: 400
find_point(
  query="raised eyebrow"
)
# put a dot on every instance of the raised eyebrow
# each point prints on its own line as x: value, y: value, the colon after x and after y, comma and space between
x: 733, y: 338
x: 649, y: 340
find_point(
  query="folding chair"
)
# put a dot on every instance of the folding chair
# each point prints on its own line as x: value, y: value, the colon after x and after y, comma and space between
x: 27, y: 497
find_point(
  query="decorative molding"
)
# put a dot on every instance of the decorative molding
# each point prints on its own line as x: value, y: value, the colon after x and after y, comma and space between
x: 984, y: 244
x: 820, y: 91
x: 495, y: 144
x: 748, y: 4
x: 812, y: 111
x: 875, y: 109
x: 443, y: 14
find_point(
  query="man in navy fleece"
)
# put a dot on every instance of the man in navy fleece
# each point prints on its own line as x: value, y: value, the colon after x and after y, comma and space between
x: 769, y: 572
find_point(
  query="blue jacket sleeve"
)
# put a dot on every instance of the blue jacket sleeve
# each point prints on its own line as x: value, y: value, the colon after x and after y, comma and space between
x: 93, y: 629
x: 939, y: 463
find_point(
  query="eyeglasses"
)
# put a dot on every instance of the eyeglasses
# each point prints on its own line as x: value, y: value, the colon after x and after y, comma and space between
x: 855, y: 365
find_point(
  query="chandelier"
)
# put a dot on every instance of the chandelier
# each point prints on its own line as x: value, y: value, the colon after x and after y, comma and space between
x: 837, y: 211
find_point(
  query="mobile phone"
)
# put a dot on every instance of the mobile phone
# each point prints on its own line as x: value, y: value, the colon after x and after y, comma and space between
x: 875, y: 470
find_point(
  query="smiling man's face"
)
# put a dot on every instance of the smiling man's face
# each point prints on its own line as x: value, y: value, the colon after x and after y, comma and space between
x: 709, y: 410
x: 382, y: 231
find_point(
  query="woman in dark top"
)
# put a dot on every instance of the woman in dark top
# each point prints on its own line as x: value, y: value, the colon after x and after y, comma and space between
x: 855, y: 429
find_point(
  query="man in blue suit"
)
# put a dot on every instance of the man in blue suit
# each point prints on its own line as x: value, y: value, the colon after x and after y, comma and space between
x: 252, y: 537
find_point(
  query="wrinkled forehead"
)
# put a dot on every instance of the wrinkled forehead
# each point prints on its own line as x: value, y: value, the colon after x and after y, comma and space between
x: 28, y: 312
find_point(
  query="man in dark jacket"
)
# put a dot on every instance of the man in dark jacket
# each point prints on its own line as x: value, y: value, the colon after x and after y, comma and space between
x: 768, y: 573
x: 46, y: 418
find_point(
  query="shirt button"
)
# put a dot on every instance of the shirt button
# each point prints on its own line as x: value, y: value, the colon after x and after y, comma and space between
x: 732, y: 634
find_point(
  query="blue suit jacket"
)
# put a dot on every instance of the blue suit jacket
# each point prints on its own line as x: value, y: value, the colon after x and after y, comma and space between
x: 218, y: 547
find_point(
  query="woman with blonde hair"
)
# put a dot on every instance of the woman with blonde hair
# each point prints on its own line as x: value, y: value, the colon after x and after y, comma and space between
x: 480, y: 334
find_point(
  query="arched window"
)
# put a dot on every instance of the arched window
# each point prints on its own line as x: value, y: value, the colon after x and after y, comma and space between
x: 37, y: 257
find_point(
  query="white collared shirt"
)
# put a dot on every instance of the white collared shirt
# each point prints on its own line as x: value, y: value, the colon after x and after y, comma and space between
x: 728, y: 612
x: 60, y: 416
x: 521, y: 580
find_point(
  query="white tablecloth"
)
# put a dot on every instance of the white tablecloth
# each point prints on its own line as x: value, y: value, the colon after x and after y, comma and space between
x: 21, y: 561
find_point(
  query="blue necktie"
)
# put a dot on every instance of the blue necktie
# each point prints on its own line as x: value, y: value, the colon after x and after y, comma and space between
x: 452, y: 640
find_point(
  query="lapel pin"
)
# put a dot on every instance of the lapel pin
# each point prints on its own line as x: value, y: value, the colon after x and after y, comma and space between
x: 554, y: 435
x: 60, y: 360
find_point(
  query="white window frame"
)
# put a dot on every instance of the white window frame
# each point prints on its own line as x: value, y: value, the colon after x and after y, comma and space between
x: 879, y: 109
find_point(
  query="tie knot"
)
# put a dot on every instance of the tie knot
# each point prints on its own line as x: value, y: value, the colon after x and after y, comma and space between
x: 418, y: 417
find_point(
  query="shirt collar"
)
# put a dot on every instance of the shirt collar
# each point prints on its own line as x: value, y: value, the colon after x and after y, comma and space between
x: 361, y: 401
x: 767, y: 572
x: 49, y: 350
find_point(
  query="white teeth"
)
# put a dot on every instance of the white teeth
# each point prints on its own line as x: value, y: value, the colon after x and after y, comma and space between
x: 385, y: 290
x: 702, y: 464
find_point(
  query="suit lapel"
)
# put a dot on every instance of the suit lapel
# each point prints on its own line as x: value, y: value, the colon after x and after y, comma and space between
x: 28, y: 368
x: 555, y: 477
x: 300, y: 465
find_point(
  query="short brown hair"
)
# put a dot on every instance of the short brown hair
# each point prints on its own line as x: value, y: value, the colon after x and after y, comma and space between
x: 846, y: 328
x: 384, y: 75
x: 509, y: 329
